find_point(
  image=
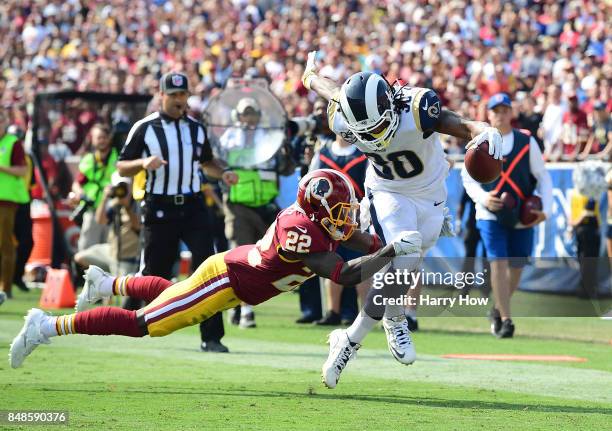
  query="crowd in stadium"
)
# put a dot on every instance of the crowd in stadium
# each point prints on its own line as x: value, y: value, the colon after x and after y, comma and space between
x: 553, y: 57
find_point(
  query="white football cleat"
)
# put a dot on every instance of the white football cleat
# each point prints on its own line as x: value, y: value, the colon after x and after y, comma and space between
x: 398, y: 339
x: 91, y: 290
x: 2, y: 297
x: 340, y: 352
x: 28, y: 338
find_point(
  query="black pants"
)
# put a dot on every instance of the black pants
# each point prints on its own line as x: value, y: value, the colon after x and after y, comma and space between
x: 166, y: 225
x: 589, y: 242
x: 471, y: 241
x: 23, y: 233
x: 310, y: 298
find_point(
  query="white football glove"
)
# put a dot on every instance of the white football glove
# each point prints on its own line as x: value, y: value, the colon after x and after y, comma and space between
x: 492, y: 135
x: 409, y: 242
x: 310, y: 71
x: 448, y: 226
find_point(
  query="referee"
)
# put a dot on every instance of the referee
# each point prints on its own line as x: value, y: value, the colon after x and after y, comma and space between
x: 171, y: 147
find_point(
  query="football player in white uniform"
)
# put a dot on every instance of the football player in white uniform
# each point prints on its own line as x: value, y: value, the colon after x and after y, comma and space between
x: 397, y: 128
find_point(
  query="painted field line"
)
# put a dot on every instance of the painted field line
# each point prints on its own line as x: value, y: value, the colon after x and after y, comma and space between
x: 509, y: 357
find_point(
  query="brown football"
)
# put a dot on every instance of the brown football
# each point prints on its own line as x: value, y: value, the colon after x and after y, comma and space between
x: 531, y: 203
x: 481, y: 166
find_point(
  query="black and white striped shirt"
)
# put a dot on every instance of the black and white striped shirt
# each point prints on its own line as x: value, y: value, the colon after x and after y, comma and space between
x: 182, y: 143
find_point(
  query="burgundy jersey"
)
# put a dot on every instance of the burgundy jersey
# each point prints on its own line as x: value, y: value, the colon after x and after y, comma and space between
x: 258, y: 272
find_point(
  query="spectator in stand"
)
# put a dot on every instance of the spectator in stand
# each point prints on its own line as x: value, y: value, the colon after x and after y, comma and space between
x: 600, y: 139
x: 69, y: 129
x: 575, y: 129
x: 80, y: 47
x: 528, y: 118
x: 552, y: 123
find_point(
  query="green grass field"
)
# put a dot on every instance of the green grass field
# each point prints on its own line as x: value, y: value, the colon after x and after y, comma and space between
x: 271, y: 380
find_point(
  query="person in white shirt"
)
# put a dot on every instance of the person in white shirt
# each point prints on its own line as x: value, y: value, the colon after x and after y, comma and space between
x: 508, y: 242
x: 552, y: 124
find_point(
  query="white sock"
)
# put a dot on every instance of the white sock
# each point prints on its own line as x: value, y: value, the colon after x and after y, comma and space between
x: 394, y: 311
x: 360, y: 327
x: 106, y: 286
x: 411, y: 312
x: 47, y: 326
x: 245, y: 309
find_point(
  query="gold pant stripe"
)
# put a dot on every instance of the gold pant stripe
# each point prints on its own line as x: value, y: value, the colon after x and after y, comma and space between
x: 212, y: 283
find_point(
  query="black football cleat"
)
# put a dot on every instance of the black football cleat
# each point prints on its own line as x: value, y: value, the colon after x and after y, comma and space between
x: 506, y: 330
x: 331, y: 319
x: 307, y: 318
x: 213, y: 346
x: 495, y: 319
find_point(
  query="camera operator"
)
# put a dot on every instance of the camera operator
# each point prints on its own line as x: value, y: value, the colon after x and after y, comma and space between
x: 310, y: 133
x: 118, y: 211
x: 95, y: 171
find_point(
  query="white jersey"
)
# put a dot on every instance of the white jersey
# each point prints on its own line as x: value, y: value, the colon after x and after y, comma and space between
x: 414, y: 163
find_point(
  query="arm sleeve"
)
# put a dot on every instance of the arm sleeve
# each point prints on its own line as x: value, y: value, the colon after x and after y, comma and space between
x: 206, y: 155
x: 426, y: 108
x: 135, y: 143
x: 538, y: 170
x: 473, y: 187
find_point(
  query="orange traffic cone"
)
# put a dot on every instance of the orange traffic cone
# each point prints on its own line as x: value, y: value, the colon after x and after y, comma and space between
x: 58, y: 291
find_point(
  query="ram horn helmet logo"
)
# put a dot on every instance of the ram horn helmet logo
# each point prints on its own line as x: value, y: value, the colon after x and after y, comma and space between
x: 320, y: 188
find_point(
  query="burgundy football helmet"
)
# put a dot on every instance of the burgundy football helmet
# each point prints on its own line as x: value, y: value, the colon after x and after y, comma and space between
x: 328, y: 197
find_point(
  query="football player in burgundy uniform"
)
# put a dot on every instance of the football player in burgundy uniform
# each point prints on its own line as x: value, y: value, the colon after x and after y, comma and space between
x: 301, y: 243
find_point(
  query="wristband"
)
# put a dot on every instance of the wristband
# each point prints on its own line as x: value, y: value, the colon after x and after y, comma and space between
x: 376, y: 244
x: 308, y: 79
x: 335, y: 275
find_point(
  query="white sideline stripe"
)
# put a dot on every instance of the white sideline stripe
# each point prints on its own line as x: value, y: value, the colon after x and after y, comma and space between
x: 184, y: 301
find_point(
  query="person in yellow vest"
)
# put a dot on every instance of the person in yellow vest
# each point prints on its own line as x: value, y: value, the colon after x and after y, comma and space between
x: 95, y: 171
x: 12, y: 193
x: 23, y: 229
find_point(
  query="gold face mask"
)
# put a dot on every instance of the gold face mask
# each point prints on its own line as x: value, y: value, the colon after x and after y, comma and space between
x: 342, y: 222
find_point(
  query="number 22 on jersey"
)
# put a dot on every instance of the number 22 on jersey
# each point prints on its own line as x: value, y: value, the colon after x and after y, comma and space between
x: 296, y: 242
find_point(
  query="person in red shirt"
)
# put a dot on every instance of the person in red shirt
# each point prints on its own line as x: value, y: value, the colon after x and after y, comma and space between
x: 575, y: 129
x: 12, y: 168
x: 300, y: 244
